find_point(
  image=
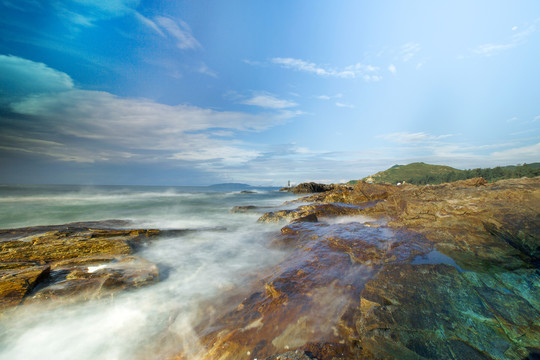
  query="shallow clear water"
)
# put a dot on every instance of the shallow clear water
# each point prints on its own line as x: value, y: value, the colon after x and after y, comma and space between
x: 196, y: 268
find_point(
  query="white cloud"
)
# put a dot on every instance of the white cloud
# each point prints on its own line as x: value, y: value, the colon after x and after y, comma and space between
x: 392, y: 68
x: 119, y: 126
x: 109, y: 7
x: 359, y: 70
x: 180, y: 31
x: 149, y: 23
x: 344, y: 105
x: 19, y: 76
x: 86, y: 12
x: 328, y: 97
x: 409, y: 50
x: 220, y: 151
x: 266, y: 100
x: 252, y: 62
x: 529, y: 153
x: 204, y: 69
x: 405, y: 137
x: 492, y: 49
x: 70, y: 124
x: 515, y: 40
x: 514, y: 28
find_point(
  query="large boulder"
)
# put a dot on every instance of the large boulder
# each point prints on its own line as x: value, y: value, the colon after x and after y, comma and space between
x: 310, y: 187
x: 72, y: 262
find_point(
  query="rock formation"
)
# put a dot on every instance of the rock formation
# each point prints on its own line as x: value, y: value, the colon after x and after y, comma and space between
x: 306, y: 188
x: 432, y: 272
x: 373, y: 272
x: 72, y: 262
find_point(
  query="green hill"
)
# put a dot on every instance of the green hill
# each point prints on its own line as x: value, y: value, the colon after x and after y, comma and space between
x: 421, y: 174
x: 413, y: 173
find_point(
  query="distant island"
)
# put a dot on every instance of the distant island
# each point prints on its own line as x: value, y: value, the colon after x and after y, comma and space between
x: 230, y: 186
x: 420, y: 173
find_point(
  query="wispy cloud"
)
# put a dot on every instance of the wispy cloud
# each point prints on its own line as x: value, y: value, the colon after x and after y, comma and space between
x: 358, y: 70
x: 392, y: 68
x: 409, y: 50
x: 329, y: 97
x: 517, y: 39
x: 204, y: 69
x: 69, y: 124
x: 149, y: 23
x: 406, y: 137
x: 180, y: 31
x: 86, y: 13
x: 529, y: 153
x: 22, y: 5
x: 344, y: 105
x: 267, y: 100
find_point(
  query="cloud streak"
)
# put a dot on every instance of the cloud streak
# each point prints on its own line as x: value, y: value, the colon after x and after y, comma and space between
x: 180, y: 31
x: 515, y: 40
x: 409, y: 50
x: 75, y: 125
x: 406, y: 137
x: 266, y: 100
x: 358, y: 70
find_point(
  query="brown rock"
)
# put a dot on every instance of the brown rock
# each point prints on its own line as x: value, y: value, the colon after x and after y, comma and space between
x: 86, y: 262
x: 292, y: 355
x: 381, y: 292
x: 15, y: 284
x: 306, y: 188
x: 91, y: 282
x: 318, y: 210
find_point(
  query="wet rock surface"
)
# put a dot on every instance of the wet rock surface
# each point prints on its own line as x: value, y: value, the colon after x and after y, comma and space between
x: 432, y: 272
x: 72, y: 262
x: 307, y: 188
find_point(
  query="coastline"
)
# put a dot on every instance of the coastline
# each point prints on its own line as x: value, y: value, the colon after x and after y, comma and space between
x: 371, y: 272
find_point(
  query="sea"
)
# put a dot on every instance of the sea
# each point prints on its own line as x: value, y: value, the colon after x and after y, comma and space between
x: 197, y: 268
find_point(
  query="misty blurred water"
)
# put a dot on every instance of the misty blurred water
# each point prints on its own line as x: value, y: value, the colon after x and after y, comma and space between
x: 196, y: 267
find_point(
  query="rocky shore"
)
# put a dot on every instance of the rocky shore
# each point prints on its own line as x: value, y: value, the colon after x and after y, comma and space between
x: 72, y: 262
x: 388, y: 272
x: 372, y: 272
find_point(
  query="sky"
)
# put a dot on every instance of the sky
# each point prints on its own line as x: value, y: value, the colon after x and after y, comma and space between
x: 129, y: 92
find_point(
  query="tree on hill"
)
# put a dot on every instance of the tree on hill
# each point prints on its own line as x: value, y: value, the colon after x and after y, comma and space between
x: 422, y: 174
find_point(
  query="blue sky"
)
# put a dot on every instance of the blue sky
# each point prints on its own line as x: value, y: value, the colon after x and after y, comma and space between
x: 262, y: 92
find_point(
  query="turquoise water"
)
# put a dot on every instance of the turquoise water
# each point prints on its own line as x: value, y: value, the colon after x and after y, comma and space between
x: 163, y: 207
x: 198, y: 268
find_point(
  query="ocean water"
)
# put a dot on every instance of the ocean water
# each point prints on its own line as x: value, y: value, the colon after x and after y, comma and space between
x: 198, y: 268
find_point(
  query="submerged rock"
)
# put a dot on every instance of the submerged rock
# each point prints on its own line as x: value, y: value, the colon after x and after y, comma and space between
x: 75, y: 261
x: 90, y: 282
x: 306, y: 211
x: 435, y: 312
